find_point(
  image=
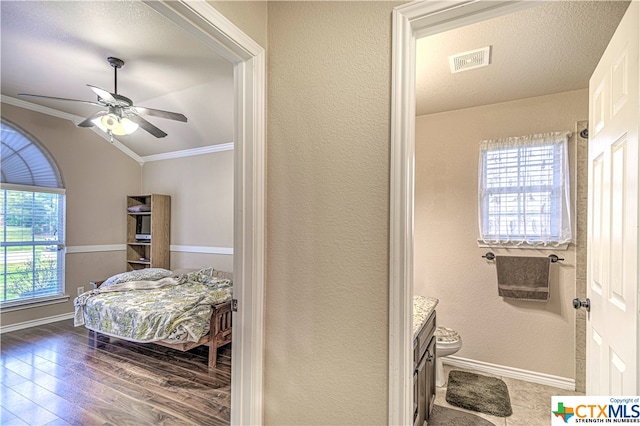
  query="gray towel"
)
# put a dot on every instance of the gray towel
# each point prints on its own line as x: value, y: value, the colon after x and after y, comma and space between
x: 525, y: 278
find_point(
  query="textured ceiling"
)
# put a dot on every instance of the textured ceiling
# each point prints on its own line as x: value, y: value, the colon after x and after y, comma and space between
x: 55, y: 48
x: 550, y: 48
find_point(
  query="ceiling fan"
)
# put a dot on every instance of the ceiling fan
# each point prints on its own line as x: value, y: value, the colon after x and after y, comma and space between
x: 120, y: 117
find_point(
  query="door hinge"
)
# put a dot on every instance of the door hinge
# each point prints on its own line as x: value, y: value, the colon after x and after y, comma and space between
x: 234, y: 305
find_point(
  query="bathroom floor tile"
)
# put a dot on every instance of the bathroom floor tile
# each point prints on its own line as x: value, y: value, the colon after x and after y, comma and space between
x: 530, y: 402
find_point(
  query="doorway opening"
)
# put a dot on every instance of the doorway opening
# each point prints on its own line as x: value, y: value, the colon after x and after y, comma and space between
x: 211, y: 27
x: 412, y: 22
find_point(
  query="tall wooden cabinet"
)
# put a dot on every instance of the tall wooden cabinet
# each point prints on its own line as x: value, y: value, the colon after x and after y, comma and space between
x: 148, y: 231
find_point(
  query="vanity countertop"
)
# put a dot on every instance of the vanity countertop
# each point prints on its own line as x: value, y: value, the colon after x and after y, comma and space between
x: 422, y: 308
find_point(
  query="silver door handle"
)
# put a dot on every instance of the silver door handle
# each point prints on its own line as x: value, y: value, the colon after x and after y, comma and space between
x: 577, y: 304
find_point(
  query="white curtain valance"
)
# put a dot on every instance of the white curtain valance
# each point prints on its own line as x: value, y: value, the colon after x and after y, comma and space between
x: 523, y: 190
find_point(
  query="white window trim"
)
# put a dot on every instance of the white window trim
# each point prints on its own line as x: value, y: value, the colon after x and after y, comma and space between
x: 29, y: 188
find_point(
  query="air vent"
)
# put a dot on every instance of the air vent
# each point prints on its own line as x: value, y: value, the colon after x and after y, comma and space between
x: 469, y: 60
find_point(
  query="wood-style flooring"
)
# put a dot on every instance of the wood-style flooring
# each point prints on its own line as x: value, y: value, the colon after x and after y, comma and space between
x: 49, y: 375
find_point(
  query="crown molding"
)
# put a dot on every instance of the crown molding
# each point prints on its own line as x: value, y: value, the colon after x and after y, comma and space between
x: 189, y: 152
x: 39, y: 108
x: 71, y: 117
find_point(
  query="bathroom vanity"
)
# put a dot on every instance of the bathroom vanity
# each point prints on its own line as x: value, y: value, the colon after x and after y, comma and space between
x: 424, y: 357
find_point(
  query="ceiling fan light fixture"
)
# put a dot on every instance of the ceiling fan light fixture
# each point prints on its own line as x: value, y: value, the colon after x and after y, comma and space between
x: 118, y: 126
x: 115, y: 120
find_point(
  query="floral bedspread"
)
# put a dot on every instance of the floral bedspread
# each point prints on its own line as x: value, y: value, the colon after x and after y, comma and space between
x: 175, y: 311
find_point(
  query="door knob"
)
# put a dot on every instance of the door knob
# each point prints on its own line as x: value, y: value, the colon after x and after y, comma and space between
x: 577, y: 304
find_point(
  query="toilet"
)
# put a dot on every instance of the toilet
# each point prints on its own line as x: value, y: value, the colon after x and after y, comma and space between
x: 448, y: 342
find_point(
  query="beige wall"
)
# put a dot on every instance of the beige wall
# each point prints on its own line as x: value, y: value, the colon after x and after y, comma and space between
x: 329, y: 73
x: 448, y: 265
x: 97, y: 177
x: 201, y: 190
x: 249, y: 16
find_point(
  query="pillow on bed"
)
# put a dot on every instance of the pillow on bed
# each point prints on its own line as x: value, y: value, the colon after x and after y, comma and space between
x: 205, y: 276
x: 198, y: 276
x: 147, y: 274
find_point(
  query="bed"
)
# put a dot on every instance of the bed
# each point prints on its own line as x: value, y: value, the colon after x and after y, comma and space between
x: 154, y: 305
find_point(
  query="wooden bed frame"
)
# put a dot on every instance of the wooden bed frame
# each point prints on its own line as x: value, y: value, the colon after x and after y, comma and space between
x: 219, y: 332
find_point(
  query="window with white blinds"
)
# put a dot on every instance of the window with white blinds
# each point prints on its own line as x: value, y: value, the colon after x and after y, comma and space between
x: 32, y: 221
x: 524, y: 191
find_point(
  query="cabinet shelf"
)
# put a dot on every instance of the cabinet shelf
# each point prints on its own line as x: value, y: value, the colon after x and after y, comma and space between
x: 157, y: 223
x: 140, y: 262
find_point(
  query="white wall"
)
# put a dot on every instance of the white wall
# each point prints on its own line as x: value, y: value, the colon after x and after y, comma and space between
x: 532, y: 336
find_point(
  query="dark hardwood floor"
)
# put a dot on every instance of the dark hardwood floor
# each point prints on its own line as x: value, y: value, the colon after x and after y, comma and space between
x: 50, y: 375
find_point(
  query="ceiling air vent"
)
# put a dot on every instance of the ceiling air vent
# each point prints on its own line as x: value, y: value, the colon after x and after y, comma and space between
x: 469, y: 60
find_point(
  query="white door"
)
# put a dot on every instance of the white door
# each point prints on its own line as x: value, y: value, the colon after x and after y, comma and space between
x: 612, y: 274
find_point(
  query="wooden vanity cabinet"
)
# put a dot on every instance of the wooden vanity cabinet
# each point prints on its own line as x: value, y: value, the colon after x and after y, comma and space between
x: 424, y: 376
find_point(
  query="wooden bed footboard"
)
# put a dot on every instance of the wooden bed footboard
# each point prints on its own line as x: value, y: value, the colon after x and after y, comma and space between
x: 220, y: 328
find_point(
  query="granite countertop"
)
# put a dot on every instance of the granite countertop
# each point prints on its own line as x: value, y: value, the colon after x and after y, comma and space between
x: 422, y: 308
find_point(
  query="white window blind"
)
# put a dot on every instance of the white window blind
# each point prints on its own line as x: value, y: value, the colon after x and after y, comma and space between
x: 32, y: 217
x: 524, y: 190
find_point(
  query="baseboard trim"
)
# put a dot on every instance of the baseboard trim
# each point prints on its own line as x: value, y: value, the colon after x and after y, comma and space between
x: 511, y: 372
x: 35, y: 323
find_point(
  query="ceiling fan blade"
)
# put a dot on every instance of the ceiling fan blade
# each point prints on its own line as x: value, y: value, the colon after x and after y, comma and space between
x: 147, y: 126
x: 103, y: 94
x: 159, y: 113
x: 59, y: 99
x: 88, y: 122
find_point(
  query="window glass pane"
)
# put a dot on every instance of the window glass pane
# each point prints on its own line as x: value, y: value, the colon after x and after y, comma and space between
x: 31, y: 235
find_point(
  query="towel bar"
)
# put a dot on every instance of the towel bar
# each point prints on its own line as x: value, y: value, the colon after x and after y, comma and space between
x: 555, y: 258
x: 552, y: 257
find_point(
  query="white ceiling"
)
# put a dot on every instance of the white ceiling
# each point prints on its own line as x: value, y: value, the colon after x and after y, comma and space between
x: 552, y: 47
x: 55, y: 48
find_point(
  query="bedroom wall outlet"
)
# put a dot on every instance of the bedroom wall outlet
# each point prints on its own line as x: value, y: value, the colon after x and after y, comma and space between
x: 80, y: 290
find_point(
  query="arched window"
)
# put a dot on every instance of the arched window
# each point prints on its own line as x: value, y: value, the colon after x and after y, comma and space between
x: 32, y: 207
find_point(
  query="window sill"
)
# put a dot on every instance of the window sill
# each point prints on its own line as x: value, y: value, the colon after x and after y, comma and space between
x: 562, y: 247
x: 33, y: 303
